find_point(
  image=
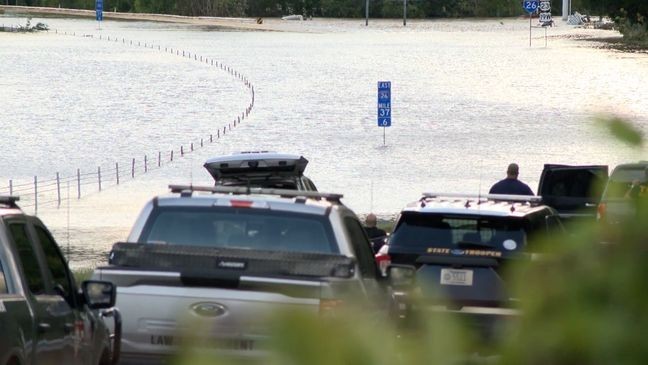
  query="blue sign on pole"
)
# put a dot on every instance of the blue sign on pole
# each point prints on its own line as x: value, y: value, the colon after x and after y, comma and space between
x: 99, y: 9
x: 530, y: 6
x: 384, y: 103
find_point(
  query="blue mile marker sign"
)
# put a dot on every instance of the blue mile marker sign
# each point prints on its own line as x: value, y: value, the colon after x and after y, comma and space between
x: 99, y: 9
x: 384, y: 103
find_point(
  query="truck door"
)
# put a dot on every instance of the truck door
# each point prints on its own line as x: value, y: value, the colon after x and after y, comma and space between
x: 80, y: 351
x: 53, y: 316
x: 574, y: 191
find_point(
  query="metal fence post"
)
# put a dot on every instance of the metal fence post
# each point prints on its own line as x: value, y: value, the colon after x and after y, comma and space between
x: 58, y: 190
x: 35, y: 195
x: 117, y: 171
x: 78, y: 184
x: 159, y: 158
x: 171, y: 155
x: 99, y: 176
x: 133, y: 169
x: 10, y: 187
x: 145, y: 164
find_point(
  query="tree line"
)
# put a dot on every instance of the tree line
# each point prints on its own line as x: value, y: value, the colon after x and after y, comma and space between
x: 630, y: 9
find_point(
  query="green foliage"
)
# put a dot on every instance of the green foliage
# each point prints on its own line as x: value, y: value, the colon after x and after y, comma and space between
x: 634, y: 28
x: 622, y: 130
x: 81, y: 275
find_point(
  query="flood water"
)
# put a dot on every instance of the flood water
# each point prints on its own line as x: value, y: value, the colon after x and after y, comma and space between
x: 468, y: 97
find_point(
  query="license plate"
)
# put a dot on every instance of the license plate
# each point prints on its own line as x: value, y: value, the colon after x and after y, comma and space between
x: 456, y: 277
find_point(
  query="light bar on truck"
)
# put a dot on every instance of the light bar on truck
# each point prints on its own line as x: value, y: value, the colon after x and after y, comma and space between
x: 189, y: 189
x: 9, y: 200
x: 531, y: 199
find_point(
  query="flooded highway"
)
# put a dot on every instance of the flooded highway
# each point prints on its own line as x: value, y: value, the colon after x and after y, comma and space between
x: 468, y: 97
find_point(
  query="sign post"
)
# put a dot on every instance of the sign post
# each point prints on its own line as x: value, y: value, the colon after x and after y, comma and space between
x: 545, y: 16
x: 99, y: 11
x: 531, y: 6
x: 384, y: 105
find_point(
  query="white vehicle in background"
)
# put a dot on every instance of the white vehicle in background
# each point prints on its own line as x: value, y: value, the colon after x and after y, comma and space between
x: 226, y: 258
x: 260, y: 169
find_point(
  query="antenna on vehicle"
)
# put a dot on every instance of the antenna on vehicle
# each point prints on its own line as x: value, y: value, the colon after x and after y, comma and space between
x: 371, y: 198
x: 67, y: 233
x: 480, y: 177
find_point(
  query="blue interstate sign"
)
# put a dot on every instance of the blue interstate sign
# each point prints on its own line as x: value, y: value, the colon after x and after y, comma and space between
x: 530, y: 5
x: 384, y: 103
x: 99, y: 9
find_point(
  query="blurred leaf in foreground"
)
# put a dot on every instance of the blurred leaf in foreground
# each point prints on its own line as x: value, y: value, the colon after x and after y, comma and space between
x: 622, y: 130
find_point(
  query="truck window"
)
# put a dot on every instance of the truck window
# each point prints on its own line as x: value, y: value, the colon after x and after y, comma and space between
x: 55, y: 262
x: 30, y: 265
x: 3, y: 282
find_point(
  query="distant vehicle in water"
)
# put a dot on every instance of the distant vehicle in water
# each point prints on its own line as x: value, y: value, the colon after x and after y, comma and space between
x: 261, y: 169
x: 292, y: 17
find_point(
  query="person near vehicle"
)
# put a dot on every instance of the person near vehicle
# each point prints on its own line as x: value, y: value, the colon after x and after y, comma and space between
x: 634, y: 191
x: 511, y: 185
x: 376, y: 235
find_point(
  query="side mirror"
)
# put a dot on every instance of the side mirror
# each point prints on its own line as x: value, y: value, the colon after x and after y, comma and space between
x: 99, y: 294
x: 401, y: 276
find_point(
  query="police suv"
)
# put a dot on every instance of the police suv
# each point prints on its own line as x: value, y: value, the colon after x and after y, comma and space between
x: 461, y: 245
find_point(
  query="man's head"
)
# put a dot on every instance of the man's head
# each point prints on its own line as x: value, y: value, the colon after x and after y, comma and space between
x: 512, y: 171
x: 371, y: 220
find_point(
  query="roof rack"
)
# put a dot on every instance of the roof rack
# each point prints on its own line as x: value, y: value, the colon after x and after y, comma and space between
x: 9, y: 201
x: 189, y: 189
x: 531, y: 199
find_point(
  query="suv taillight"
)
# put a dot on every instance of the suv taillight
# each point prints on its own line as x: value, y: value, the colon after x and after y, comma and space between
x: 383, y: 260
x: 600, y: 211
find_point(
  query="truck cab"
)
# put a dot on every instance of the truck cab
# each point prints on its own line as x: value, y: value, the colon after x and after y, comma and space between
x: 45, y: 318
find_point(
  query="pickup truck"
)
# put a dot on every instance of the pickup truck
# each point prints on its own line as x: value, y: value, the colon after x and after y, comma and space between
x: 214, y: 266
x: 44, y: 317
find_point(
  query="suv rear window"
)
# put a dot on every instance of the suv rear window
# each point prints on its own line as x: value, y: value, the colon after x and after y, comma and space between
x: 259, y: 229
x: 622, y: 178
x: 426, y: 231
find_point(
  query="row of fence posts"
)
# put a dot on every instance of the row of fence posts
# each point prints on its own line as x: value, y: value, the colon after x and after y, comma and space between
x: 40, y: 187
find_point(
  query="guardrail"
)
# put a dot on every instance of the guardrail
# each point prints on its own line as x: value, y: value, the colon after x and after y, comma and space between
x: 54, y: 189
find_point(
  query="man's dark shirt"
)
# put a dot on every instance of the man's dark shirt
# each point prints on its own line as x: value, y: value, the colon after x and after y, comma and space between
x: 375, y: 232
x: 377, y: 237
x: 511, y: 187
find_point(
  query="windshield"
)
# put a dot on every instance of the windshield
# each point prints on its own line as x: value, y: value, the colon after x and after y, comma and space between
x: 429, y: 231
x: 260, y: 229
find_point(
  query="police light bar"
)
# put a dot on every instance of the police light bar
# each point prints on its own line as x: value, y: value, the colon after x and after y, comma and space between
x: 188, y: 189
x: 484, y: 197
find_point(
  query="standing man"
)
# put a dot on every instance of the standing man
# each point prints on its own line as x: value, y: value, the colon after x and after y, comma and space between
x: 376, y: 235
x: 511, y: 185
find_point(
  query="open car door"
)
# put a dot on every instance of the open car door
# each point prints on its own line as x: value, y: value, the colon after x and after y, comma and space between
x: 574, y: 191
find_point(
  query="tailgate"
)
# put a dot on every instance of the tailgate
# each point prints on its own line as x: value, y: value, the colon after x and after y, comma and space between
x: 465, y: 281
x: 158, y: 309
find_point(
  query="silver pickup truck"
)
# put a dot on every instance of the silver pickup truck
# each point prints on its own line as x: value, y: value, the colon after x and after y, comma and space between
x: 215, y: 265
x: 44, y: 317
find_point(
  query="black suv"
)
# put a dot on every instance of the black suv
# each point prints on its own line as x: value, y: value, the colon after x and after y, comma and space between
x: 460, y: 244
